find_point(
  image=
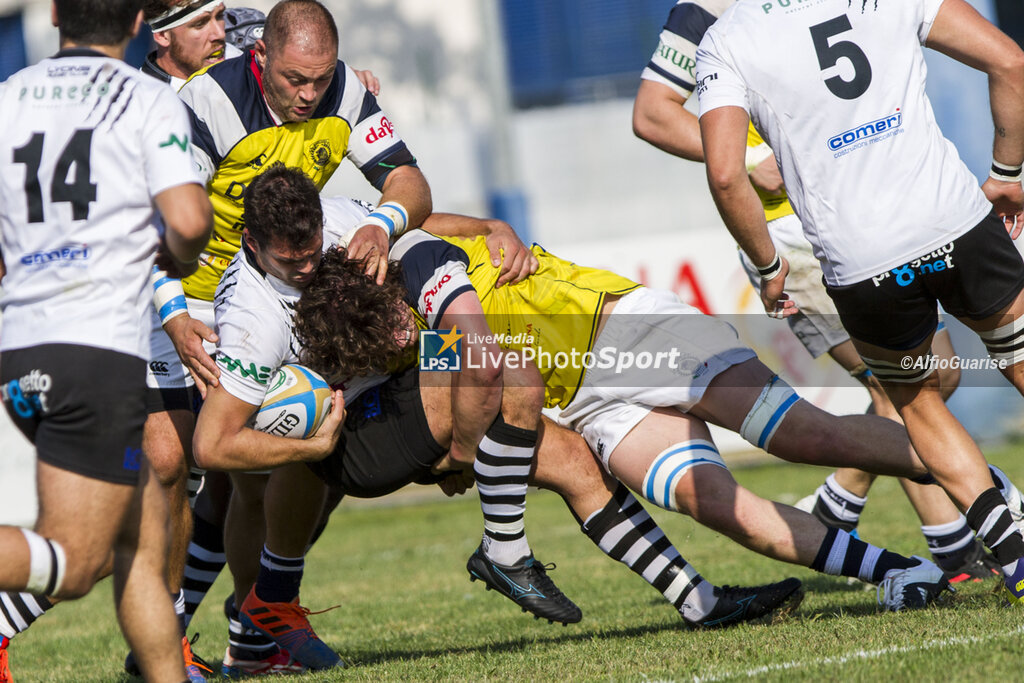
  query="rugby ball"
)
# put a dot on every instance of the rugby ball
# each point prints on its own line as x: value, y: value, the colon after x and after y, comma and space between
x: 296, y: 403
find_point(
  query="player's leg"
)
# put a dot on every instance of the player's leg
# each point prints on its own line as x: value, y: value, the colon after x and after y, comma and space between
x: 144, y: 609
x: 619, y: 525
x: 952, y: 456
x: 205, y: 556
x: 85, y: 413
x: 749, y: 399
x: 501, y: 469
x: 670, y: 459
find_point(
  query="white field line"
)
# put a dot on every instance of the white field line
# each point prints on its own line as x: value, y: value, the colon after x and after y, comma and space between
x: 861, y: 655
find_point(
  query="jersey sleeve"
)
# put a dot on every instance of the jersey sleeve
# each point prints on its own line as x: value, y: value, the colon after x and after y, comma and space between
x: 341, y: 215
x: 168, y: 160
x: 374, y: 146
x: 250, y: 349
x: 929, y: 10
x: 675, y: 59
x: 718, y: 83
x: 435, y: 274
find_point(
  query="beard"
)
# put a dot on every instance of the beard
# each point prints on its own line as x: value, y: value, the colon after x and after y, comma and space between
x: 190, y: 63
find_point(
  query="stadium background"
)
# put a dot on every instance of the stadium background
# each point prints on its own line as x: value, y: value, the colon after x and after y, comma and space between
x: 521, y: 109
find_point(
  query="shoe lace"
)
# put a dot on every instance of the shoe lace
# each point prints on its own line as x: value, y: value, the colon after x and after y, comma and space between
x: 295, y: 615
x: 889, y: 592
x: 542, y: 581
x: 191, y: 658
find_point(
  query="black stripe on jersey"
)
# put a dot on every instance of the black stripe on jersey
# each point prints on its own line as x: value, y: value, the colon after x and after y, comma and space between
x: 690, y: 21
x: 236, y: 78
x: 331, y: 102
x: 421, y: 262
x: 377, y: 169
x: 99, y: 100
x: 672, y: 77
x: 370, y: 107
x: 450, y: 298
x: 202, y: 137
x: 113, y: 100
x: 127, y: 102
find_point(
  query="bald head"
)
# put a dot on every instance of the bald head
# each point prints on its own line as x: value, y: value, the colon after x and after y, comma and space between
x: 303, y: 24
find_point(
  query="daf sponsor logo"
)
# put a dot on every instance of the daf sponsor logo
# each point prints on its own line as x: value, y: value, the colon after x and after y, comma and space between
x: 384, y: 130
x: 68, y: 255
x: 428, y: 296
x: 867, y: 130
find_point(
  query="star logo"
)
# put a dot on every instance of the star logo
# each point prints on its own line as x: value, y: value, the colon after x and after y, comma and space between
x: 449, y: 339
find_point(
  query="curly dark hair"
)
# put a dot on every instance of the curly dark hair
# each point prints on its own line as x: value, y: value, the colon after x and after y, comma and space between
x: 282, y: 204
x: 348, y: 324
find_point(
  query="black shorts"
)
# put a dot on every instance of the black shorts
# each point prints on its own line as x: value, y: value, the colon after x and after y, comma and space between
x: 974, y: 276
x: 82, y: 407
x: 386, y: 442
x: 174, y: 398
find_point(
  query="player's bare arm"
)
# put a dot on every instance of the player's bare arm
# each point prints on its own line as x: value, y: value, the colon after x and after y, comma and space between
x: 516, y: 260
x: 963, y: 34
x: 188, y: 207
x: 407, y: 186
x: 660, y: 119
x: 223, y: 441
x: 476, y: 391
x: 724, y: 131
x: 188, y: 218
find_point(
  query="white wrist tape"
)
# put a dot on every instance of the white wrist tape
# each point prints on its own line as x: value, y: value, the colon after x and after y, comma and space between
x: 168, y: 296
x: 391, y: 216
x: 772, y: 270
x: 1007, y: 174
x: 755, y: 155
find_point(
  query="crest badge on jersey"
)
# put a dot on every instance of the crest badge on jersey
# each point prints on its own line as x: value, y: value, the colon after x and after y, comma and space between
x: 320, y: 152
x: 441, y: 350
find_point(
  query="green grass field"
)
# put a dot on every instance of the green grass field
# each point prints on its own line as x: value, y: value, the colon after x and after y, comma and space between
x: 409, y: 612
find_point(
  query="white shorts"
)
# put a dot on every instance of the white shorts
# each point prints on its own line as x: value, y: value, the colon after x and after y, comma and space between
x: 165, y: 369
x: 817, y: 325
x: 610, y: 403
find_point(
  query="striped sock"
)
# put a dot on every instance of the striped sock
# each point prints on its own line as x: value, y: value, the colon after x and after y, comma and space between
x: 949, y: 543
x: 205, y: 561
x: 19, y: 610
x: 841, y: 554
x: 624, y: 531
x: 279, y: 578
x: 990, y: 518
x: 246, y: 643
x: 837, y: 507
x: 501, y: 470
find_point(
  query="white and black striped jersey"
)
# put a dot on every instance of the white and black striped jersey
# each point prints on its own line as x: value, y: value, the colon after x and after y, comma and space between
x: 675, y: 59
x: 837, y: 89
x: 88, y: 142
x: 254, y: 312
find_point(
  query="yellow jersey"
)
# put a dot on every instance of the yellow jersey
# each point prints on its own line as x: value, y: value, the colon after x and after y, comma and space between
x: 554, y: 310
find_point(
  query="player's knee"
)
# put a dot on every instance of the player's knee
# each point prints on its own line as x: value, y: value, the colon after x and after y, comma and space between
x: 949, y: 380
x: 167, y: 461
x: 523, y: 395
x: 662, y: 484
x: 54, y: 570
